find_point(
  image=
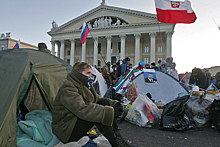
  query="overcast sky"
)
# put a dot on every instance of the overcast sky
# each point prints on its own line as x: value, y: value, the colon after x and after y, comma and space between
x: 194, y: 45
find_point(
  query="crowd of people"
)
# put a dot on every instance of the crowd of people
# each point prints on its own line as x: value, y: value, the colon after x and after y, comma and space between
x: 112, y: 72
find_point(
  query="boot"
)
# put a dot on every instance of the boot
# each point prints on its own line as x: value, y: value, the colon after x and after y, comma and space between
x: 121, y: 141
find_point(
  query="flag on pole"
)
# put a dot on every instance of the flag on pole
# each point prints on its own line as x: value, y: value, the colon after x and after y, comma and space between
x: 17, y: 45
x: 175, y: 11
x: 85, y: 32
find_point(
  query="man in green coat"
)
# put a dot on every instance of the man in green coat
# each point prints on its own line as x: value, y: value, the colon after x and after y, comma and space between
x: 77, y: 108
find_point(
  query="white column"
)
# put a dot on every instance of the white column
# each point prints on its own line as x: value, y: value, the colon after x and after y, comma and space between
x: 58, y: 49
x: 52, y: 47
x: 169, y: 44
x: 62, y: 49
x: 122, y: 46
x: 83, y: 55
x: 72, y: 52
x: 108, y: 48
x: 137, y: 48
x: 152, y: 46
x: 95, y: 57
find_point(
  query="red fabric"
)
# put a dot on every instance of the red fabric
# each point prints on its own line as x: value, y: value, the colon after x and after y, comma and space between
x: 150, y: 116
x: 175, y: 16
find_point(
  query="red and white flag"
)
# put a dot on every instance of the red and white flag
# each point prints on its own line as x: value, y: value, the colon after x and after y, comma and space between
x: 175, y: 11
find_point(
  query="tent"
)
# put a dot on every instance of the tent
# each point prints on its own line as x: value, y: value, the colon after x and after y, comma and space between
x: 166, y: 90
x: 100, y: 84
x: 28, y: 77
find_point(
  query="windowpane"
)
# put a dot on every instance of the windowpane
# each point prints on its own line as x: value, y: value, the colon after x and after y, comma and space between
x: 68, y: 52
x: 146, y: 60
x: 146, y: 49
x: 160, y: 49
x: 119, y: 47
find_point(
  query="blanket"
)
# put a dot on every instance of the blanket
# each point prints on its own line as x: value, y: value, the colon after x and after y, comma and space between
x: 36, y: 130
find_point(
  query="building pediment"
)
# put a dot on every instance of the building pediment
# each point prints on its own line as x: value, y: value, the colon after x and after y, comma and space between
x: 104, y: 17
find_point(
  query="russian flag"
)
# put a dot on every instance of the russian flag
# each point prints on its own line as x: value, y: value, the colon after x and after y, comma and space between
x: 175, y: 11
x: 17, y: 45
x: 85, y: 32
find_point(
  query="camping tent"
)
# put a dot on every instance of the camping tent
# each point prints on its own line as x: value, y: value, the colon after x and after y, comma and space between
x: 31, y: 77
x: 100, y: 84
x: 167, y: 88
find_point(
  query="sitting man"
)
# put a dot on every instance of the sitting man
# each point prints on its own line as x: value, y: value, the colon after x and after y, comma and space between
x: 77, y: 108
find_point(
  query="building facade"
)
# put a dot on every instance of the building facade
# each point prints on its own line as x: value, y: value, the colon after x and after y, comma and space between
x: 8, y: 43
x: 115, y: 33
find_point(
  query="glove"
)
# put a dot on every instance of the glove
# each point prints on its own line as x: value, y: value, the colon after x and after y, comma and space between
x: 118, y: 109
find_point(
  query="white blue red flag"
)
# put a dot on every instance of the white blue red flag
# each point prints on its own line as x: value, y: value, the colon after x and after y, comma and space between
x: 85, y: 32
x: 175, y: 11
x: 17, y: 45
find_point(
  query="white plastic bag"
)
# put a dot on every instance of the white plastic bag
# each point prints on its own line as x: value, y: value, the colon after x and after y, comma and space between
x: 197, y: 107
x: 79, y: 143
x: 102, y: 141
x: 144, y: 112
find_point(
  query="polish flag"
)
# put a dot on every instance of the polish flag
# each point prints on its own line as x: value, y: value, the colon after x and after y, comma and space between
x: 85, y: 32
x: 175, y: 11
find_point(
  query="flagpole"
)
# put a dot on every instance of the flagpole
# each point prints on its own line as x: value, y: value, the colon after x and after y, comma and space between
x: 98, y: 48
x: 161, y: 39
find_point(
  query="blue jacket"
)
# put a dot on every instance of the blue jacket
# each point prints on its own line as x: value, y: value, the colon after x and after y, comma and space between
x: 124, y: 66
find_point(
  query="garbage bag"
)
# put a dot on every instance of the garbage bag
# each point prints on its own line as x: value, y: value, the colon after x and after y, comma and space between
x: 215, y: 114
x: 198, y: 108
x: 174, y: 116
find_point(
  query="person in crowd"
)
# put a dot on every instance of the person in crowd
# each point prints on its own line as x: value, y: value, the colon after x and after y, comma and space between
x: 173, y: 72
x: 107, y: 74
x: 118, y: 70
x: 130, y: 66
x: 159, y: 63
x: 216, y: 81
x: 125, y: 65
x: 77, y: 108
x: 199, y: 78
x: 150, y: 78
x: 153, y: 66
x: 43, y: 47
x: 163, y: 66
x: 147, y: 66
x: 141, y: 66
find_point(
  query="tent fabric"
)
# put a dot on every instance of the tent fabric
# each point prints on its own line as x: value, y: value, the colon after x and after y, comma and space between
x: 101, y: 90
x: 167, y: 89
x: 18, y: 68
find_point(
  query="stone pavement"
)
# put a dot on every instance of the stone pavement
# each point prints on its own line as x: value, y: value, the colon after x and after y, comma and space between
x: 152, y: 137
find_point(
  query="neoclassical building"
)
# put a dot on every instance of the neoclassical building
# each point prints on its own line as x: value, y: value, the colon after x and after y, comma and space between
x: 115, y: 33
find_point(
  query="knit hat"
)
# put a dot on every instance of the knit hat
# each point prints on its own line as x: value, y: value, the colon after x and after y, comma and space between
x: 127, y: 59
x: 152, y: 64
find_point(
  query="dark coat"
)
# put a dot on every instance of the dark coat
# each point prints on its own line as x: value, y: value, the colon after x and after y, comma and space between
x: 124, y: 66
x: 200, y: 79
x: 75, y: 100
x: 148, y: 81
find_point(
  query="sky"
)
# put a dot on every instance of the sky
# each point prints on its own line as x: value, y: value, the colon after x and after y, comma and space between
x: 193, y: 45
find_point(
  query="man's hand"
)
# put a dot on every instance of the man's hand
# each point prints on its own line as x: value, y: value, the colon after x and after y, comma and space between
x: 118, y: 109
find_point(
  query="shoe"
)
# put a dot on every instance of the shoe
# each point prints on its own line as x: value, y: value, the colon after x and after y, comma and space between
x: 121, y: 141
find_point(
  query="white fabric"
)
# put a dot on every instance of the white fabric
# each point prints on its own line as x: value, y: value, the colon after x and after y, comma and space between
x: 167, y: 5
x: 102, y: 84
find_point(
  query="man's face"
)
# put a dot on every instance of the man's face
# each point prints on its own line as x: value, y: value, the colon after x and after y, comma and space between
x: 128, y: 62
x: 87, y: 72
x: 150, y: 76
